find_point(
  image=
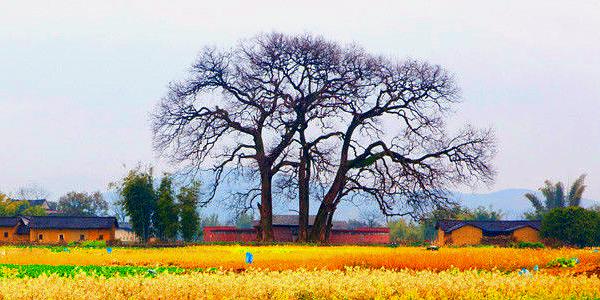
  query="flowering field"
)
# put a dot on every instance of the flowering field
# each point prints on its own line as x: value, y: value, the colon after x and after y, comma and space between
x: 301, y: 284
x: 294, y: 257
x: 297, y: 272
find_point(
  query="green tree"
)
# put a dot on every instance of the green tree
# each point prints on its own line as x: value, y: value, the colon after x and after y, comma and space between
x: 28, y: 210
x: 482, y: 213
x: 572, y: 225
x: 190, y: 221
x: 244, y: 220
x: 402, y: 231
x: 555, y: 197
x: 166, y: 218
x: 82, y: 204
x: 139, y: 200
x: 11, y: 208
x: 210, y: 220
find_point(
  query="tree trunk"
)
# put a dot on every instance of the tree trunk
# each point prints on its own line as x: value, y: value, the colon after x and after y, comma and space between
x: 266, y: 208
x: 320, y: 229
x: 303, y: 196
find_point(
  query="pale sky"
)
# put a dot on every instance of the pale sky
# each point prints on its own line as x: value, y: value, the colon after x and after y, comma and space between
x: 79, y: 78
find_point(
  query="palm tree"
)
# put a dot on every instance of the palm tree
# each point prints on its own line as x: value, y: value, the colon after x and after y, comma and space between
x: 554, y: 196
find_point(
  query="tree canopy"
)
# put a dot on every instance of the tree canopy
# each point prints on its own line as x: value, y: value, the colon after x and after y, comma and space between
x: 11, y: 208
x: 166, y: 217
x: 555, y: 196
x: 139, y: 200
x: 190, y: 220
x: 82, y: 204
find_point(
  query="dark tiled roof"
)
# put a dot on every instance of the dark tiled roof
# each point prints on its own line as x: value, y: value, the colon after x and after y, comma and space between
x: 125, y: 226
x: 292, y: 220
x: 71, y: 222
x: 52, y: 205
x: 488, y: 226
x: 8, y: 221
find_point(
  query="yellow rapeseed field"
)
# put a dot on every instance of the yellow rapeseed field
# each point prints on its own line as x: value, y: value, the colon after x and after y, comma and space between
x: 352, y: 283
x: 302, y: 272
x: 307, y: 257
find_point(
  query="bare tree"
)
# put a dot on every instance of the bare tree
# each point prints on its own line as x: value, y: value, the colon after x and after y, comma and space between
x: 371, y: 217
x: 356, y: 124
x: 31, y: 191
x: 410, y: 171
x: 240, y: 109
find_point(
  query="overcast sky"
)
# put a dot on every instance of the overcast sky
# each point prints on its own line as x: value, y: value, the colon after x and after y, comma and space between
x: 79, y: 78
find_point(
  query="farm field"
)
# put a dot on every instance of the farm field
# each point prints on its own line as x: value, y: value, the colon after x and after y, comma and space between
x: 297, y: 272
x: 288, y: 257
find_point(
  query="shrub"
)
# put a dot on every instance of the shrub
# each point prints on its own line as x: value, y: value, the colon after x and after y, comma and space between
x: 533, y: 245
x: 574, y: 226
x: 563, y: 262
x: 93, y: 244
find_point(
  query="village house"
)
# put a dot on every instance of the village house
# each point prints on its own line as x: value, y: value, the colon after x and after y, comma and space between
x: 285, y: 229
x: 459, y: 233
x: 56, y: 229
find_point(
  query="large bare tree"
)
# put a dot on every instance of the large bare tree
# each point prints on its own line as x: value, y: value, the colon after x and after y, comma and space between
x: 242, y: 108
x: 355, y: 124
x: 394, y: 147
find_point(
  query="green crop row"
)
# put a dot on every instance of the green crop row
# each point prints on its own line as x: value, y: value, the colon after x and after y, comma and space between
x: 32, y: 271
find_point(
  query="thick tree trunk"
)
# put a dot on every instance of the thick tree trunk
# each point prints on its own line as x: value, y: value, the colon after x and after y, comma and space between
x: 320, y: 229
x: 266, y: 208
x: 303, y: 196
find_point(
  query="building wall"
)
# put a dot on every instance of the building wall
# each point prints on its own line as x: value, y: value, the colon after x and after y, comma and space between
x: 285, y: 235
x: 527, y: 234
x: 12, y: 235
x: 228, y: 234
x: 10, y: 231
x: 70, y: 235
x: 126, y: 236
x: 361, y: 236
x: 466, y: 235
x: 441, y: 237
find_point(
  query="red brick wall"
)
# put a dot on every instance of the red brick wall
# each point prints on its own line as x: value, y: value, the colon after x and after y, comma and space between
x: 228, y: 234
x: 284, y: 234
x: 360, y: 236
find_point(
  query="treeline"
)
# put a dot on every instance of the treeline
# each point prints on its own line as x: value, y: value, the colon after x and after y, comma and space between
x: 159, y: 212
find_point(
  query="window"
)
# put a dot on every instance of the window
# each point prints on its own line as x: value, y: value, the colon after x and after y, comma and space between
x: 61, y: 237
x: 40, y: 237
x: 81, y: 237
x: 101, y: 237
x: 5, y: 234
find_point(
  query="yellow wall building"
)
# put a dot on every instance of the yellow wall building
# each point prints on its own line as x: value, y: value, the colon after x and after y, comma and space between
x: 460, y: 233
x: 56, y: 229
